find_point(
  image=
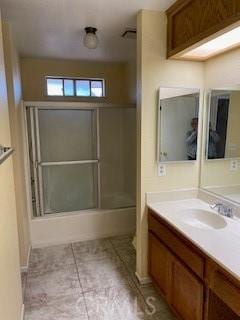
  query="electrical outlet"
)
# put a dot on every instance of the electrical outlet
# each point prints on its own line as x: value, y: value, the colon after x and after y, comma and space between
x: 233, y: 165
x: 162, y: 170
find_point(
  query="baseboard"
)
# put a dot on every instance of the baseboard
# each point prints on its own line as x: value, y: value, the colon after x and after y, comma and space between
x: 143, y: 280
x: 22, y: 312
x: 25, y: 268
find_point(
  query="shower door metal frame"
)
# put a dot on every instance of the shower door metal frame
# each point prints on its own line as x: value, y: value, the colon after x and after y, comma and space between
x: 37, y: 161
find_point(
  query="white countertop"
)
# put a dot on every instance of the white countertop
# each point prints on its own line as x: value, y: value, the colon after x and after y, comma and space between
x: 222, y: 245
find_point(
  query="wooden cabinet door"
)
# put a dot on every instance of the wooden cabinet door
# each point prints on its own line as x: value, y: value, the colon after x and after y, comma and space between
x: 186, y: 292
x: 159, y: 264
x: 218, y: 310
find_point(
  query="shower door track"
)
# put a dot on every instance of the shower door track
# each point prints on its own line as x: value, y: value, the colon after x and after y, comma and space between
x: 61, y: 163
x: 38, y: 164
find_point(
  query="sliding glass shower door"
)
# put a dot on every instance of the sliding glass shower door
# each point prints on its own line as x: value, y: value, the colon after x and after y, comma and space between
x: 66, y: 159
x: 82, y: 158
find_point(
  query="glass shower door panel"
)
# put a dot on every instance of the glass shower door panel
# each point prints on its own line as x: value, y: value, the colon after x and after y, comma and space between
x: 118, y: 157
x: 67, y: 135
x: 68, y: 188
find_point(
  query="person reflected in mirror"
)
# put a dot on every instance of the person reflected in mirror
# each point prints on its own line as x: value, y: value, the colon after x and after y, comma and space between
x: 191, y: 140
x: 213, y: 140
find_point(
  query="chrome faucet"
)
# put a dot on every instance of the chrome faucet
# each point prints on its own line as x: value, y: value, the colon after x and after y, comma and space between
x: 223, y: 209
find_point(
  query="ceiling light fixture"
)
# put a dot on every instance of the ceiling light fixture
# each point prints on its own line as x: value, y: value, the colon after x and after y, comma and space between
x: 222, y: 43
x: 90, y: 39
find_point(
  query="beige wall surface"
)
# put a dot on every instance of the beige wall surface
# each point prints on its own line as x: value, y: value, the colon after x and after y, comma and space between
x: 131, y: 70
x: 221, y: 72
x: 14, y: 102
x: 10, y: 281
x: 116, y: 77
x: 154, y: 71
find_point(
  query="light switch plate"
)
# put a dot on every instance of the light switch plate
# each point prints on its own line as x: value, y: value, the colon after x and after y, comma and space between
x: 233, y: 165
x: 162, y: 172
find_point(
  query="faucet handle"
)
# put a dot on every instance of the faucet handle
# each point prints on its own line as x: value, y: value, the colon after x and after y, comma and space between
x: 229, y: 211
x: 223, y: 209
x: 216, y: 205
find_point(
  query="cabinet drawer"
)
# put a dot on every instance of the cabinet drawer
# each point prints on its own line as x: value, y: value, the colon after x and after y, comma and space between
x: 191, y: 258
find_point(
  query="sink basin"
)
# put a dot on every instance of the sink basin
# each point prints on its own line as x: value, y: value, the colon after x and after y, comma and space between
x: 202, y: 219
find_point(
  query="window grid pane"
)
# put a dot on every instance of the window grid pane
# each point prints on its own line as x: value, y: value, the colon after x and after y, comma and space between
x: 55, y: 87
x: 83, y: 88
x: 75, y: 87
x: 96, y: 88
x: 68, y: 87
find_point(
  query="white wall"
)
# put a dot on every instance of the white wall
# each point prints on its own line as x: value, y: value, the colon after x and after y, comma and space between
x: 10, y: 281
x: 14, y: 101
x: 154, y: 71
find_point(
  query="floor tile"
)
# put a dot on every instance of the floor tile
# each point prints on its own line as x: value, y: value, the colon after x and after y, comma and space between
x: 129, y: 261
x: 164, y: 315
x: 131, y: 304
x: 122, y: 241
x: 69, y: 307
x: 115, y: 303
x: 24, y: 280
x: 101, y: 304
x: 105, y: 273
x: 93, y: 280
x: 50, y: 258
x: 154, y: 300
x: 45, y: 286
x: 93, y: 250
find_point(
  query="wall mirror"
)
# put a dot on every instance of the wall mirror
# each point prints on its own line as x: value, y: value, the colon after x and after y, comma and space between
x: 178, y: 124
x: 223, y: 135
x: 220, y: 172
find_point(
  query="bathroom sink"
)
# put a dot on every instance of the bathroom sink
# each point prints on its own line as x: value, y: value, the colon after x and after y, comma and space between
x: 202, y: 219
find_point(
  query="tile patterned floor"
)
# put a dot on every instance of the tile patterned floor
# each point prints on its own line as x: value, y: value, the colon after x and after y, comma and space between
x: 91, y: 280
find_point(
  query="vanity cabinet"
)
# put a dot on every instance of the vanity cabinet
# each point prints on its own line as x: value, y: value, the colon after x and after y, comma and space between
x: 186, y: 292
x: 159, y: 264
x: 194, y: 286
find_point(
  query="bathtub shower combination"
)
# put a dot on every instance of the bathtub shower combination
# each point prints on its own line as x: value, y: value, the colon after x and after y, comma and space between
x: 81, y: 158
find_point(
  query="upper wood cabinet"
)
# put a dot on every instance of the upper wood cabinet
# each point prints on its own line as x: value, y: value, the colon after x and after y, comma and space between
x: 191, y: 21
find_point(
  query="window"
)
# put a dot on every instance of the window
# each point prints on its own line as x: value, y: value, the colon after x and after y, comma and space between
x: 67, y: 87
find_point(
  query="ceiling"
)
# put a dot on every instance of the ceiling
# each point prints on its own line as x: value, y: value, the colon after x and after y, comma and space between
x: 55, y: 28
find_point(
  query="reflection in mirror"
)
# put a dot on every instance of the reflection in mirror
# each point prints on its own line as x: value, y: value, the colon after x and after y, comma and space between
x: 223, y: 138
x: 222, y: 175
x: 178, y: 124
